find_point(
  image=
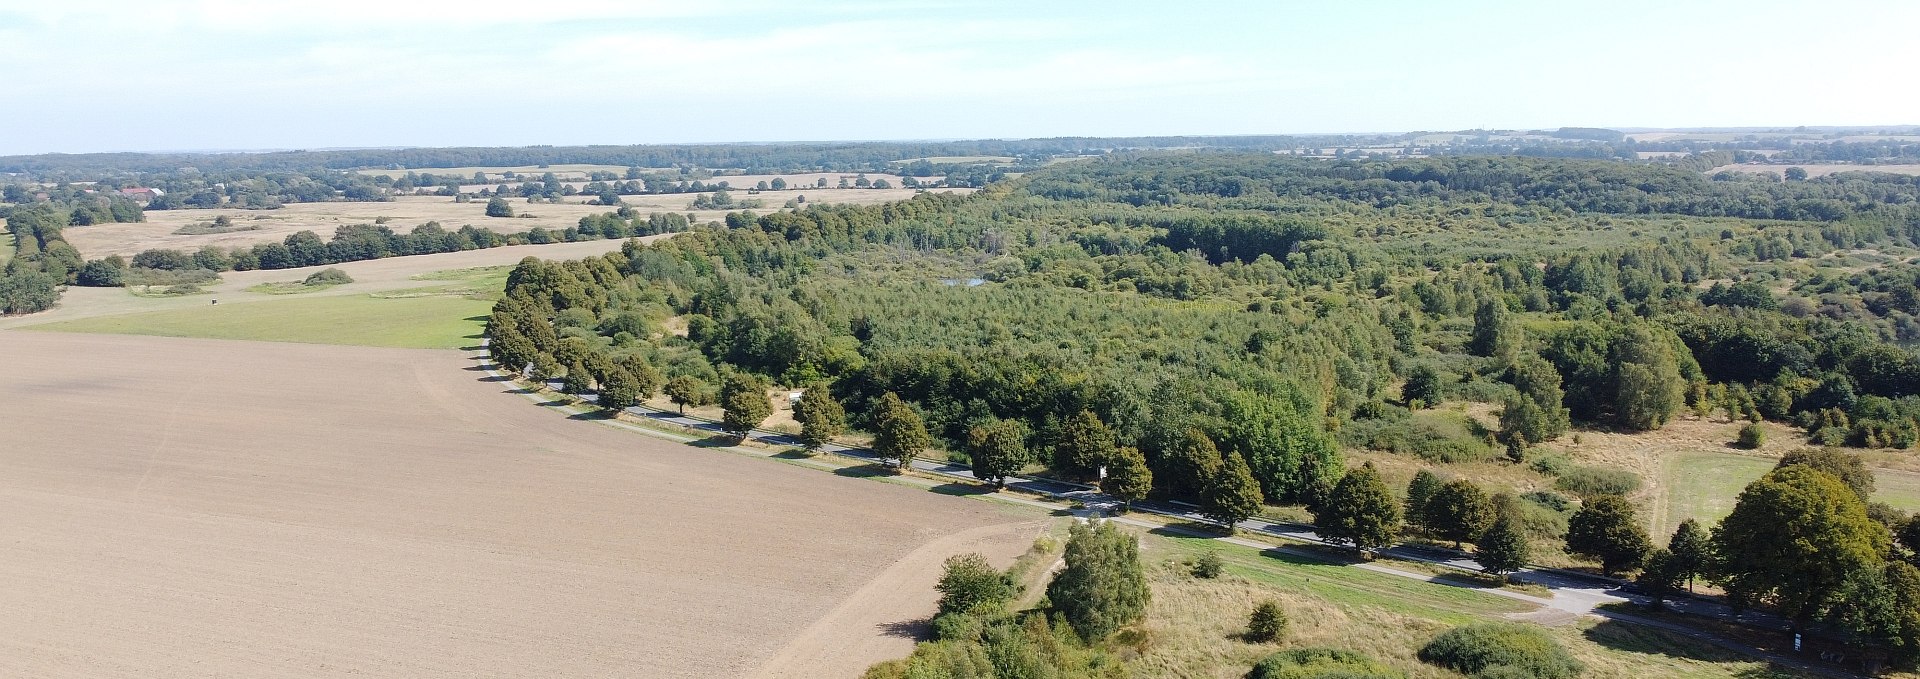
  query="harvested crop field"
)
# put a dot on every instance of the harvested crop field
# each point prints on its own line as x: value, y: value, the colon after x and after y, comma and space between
x: 405, y: 212
x: 185, y: 507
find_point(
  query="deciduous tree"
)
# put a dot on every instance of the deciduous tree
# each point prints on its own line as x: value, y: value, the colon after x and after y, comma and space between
x: 1102, y: 587
x: 1606, y: 530
x: 821, y: 417
x: 1459, y: 511
x: 998, y: 449
x: 1503, y: 548
x: 1794, y: 537
x: 1128, y: 477
x: 899, y: 432
x: 686, y: 390
x: 1360, y: 511
x: 1232, y: 495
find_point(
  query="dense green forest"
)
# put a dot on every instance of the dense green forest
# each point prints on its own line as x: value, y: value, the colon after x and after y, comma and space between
x: 1275, y: 306
x: 1219, y: 327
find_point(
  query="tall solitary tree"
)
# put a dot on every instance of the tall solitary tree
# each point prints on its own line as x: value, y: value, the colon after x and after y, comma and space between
x: 498, y: 207
x: 1128, y: 477
x: 1360, y: 511
x: 998, y: 450
x: 1232, y: 495
x: 899, y: 433
x: 821, y: 418
x: 1102, y: 587
x: 1605, y: 530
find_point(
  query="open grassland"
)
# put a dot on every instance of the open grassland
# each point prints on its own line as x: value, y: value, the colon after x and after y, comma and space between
x: 285, y: 510
x: 1703, y: 486
x: 447, y: 311
x: 1193, y: 624
x: 428, y: 321
x: 406, y: 212
x: 370, y: 277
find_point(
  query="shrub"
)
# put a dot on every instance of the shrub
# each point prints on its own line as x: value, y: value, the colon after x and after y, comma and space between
x: 1208, y: 566
x: 1597, y: 481
x: 1503, y: 672
x: 1553, y: 464
x: 327, y: 276
x: 1321, y: 663
x: 1267, y: 623
x: 1549, y: 499
x: 1436, y: 436
x: 969, y: 583
x: 1752, y: 436
x: 1473, y: 649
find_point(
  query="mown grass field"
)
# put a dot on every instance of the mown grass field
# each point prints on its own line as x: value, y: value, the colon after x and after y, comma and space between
x: 1193, y: 624
x: 425, y: 322
x: 447, y: 313
x: 1703, y: 486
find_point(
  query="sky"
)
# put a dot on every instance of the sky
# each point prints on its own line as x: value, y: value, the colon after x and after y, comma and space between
x: 146, y: 75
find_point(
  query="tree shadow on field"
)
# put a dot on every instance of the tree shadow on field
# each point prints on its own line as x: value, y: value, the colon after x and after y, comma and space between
x: 792, y: 454
x: 917, y: 630
x: 1189, y: 529
x: 1632, y: 638
x: 496, y: 378
x: 865, y: 471
x: 473, y: 347
x: 716, y: 441
x: 556, y: 403
x: 962, y: 489
x: 595, y: 414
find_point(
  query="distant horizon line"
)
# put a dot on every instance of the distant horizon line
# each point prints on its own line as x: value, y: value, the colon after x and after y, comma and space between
x: 1915, y: 128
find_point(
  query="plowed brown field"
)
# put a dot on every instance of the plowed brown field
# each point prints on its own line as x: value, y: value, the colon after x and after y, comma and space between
x: 204, y: 508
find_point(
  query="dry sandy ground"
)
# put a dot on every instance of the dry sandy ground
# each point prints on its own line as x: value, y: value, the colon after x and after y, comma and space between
x: 406, y: 212
x: 373, y: 275
x: 203, y: 508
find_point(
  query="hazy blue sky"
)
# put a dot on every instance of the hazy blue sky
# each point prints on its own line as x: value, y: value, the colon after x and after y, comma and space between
x: 96, y: 75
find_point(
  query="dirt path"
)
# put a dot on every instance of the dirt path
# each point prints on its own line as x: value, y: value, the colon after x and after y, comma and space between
x: 894, y: 603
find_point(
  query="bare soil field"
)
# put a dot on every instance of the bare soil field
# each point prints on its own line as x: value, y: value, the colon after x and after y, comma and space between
x: 406, y: 212
x: 200, y: 508
x: 1818, y: 170
x: 564, y: 170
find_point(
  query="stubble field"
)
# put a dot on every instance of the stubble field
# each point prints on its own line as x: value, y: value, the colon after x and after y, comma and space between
x: 187, y: 507
x: 406, y: 212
